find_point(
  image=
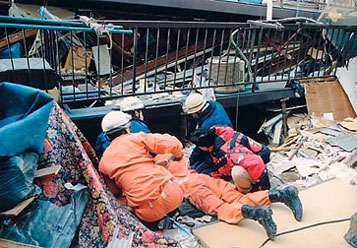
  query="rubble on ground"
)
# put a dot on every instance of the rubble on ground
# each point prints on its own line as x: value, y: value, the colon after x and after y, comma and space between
x: 316, y: 150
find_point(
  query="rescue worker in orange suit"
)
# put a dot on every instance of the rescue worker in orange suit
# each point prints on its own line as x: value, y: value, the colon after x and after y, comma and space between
x: 235, y: 156
x: 218, y: 197
x: 149, y: 189
x: 130, y: 105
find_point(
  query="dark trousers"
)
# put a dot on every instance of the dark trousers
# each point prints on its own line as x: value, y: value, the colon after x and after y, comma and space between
x: 262, y: 184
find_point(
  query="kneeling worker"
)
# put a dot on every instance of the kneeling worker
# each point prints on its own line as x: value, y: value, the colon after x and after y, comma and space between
x: 149, y: 188
x: 235, y: 155
x: 130, y: 105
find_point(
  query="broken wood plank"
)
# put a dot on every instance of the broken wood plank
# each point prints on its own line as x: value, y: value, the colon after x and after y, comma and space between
x: 277, y: 132
x: 45, y: 172
x: 80, y: 59
x: 15, y: 211
x: 290, y: 141
x: 169, y: 58
x: 301, y: 142
x: 279, y: 149
x: 351, y: 160
x: 12, y: 244
x: 162, y: 68
x: 19, y: 36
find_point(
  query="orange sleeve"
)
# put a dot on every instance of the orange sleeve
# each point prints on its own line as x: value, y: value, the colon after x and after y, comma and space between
x: 163, y: 143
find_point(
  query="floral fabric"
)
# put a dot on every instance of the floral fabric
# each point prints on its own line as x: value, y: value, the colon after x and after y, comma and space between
x: 65, y: 145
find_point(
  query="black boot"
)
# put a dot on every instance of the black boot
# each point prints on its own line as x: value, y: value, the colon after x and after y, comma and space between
x: 263, y: 214
x: 290, y: 197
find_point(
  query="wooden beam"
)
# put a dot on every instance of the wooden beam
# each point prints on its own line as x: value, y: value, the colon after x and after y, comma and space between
x: 351, y: 160
x: 171, y: 57
x: 13, y: 38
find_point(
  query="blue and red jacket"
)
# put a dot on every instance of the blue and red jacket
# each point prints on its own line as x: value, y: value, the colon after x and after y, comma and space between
x: 234, y: 148
x: 213, y: 115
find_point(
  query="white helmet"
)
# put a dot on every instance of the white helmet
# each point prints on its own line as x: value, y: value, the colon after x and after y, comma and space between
x: 194, y: 103
x: 115, y: 121
x: 241, y: 179
x: 131, y: 103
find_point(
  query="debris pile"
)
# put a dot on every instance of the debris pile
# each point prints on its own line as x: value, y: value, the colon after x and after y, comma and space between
x: 170, y: 58
x: 315, y: 150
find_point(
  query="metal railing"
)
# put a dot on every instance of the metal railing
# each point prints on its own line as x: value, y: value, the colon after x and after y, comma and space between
x: 167, y: 57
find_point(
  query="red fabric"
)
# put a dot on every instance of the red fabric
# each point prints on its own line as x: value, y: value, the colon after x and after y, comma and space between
x: 254, y: 145
x: 254, y: 164
x: 239, y: 155
x: 226, y: 133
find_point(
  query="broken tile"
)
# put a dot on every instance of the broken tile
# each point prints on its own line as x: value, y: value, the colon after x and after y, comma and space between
x: 347, y: 142
x: 282, y: 166
x: 308, y: 167
x: 330, y: 131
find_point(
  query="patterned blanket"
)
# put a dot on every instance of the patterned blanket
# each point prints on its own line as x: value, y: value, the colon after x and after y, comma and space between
x: 65, y: 145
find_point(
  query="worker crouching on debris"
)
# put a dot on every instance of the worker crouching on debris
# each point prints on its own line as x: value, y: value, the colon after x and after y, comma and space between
x: 215, y: 196
x: 133, y: 106
x: 207, y: 114
x: 149, y: 189
x: 235, y: 155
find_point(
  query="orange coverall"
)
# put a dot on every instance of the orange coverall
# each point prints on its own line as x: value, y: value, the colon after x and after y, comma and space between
x: 149, y: 188
x: 213, y: 195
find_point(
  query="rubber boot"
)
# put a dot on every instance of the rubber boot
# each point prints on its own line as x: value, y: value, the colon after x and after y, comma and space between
x: 262, y: 214
x: 290, y: 197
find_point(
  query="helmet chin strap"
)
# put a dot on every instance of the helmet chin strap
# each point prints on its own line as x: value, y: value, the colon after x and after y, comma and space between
x: 139, y: 114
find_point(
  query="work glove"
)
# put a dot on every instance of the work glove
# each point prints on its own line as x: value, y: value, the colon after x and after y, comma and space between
x: 173, y: 158
x: 163, y: 162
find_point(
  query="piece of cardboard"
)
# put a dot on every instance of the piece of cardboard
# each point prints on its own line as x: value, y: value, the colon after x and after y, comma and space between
x: 79, y: 59
x: 102, y: 59
x: 331, y: 200
x: 328, y: 97
x: 348, y: 80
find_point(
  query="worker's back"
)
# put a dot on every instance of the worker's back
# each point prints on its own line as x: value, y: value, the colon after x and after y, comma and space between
x: 214, y: 115
x: 127, y: 160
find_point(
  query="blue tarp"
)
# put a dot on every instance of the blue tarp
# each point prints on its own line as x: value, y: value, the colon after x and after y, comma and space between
x: 45, y: 224
x: 16, y: 179
x: 15, y: 51
x: 24, y: 113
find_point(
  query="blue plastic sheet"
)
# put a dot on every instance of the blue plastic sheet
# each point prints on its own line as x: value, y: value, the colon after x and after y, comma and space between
x: 16, y: 179
x: 15, y: 52
x: 24, y: 113
x: 45, y: 224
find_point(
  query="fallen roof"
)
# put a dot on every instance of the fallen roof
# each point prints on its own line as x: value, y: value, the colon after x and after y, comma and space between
x: 206, y: 9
